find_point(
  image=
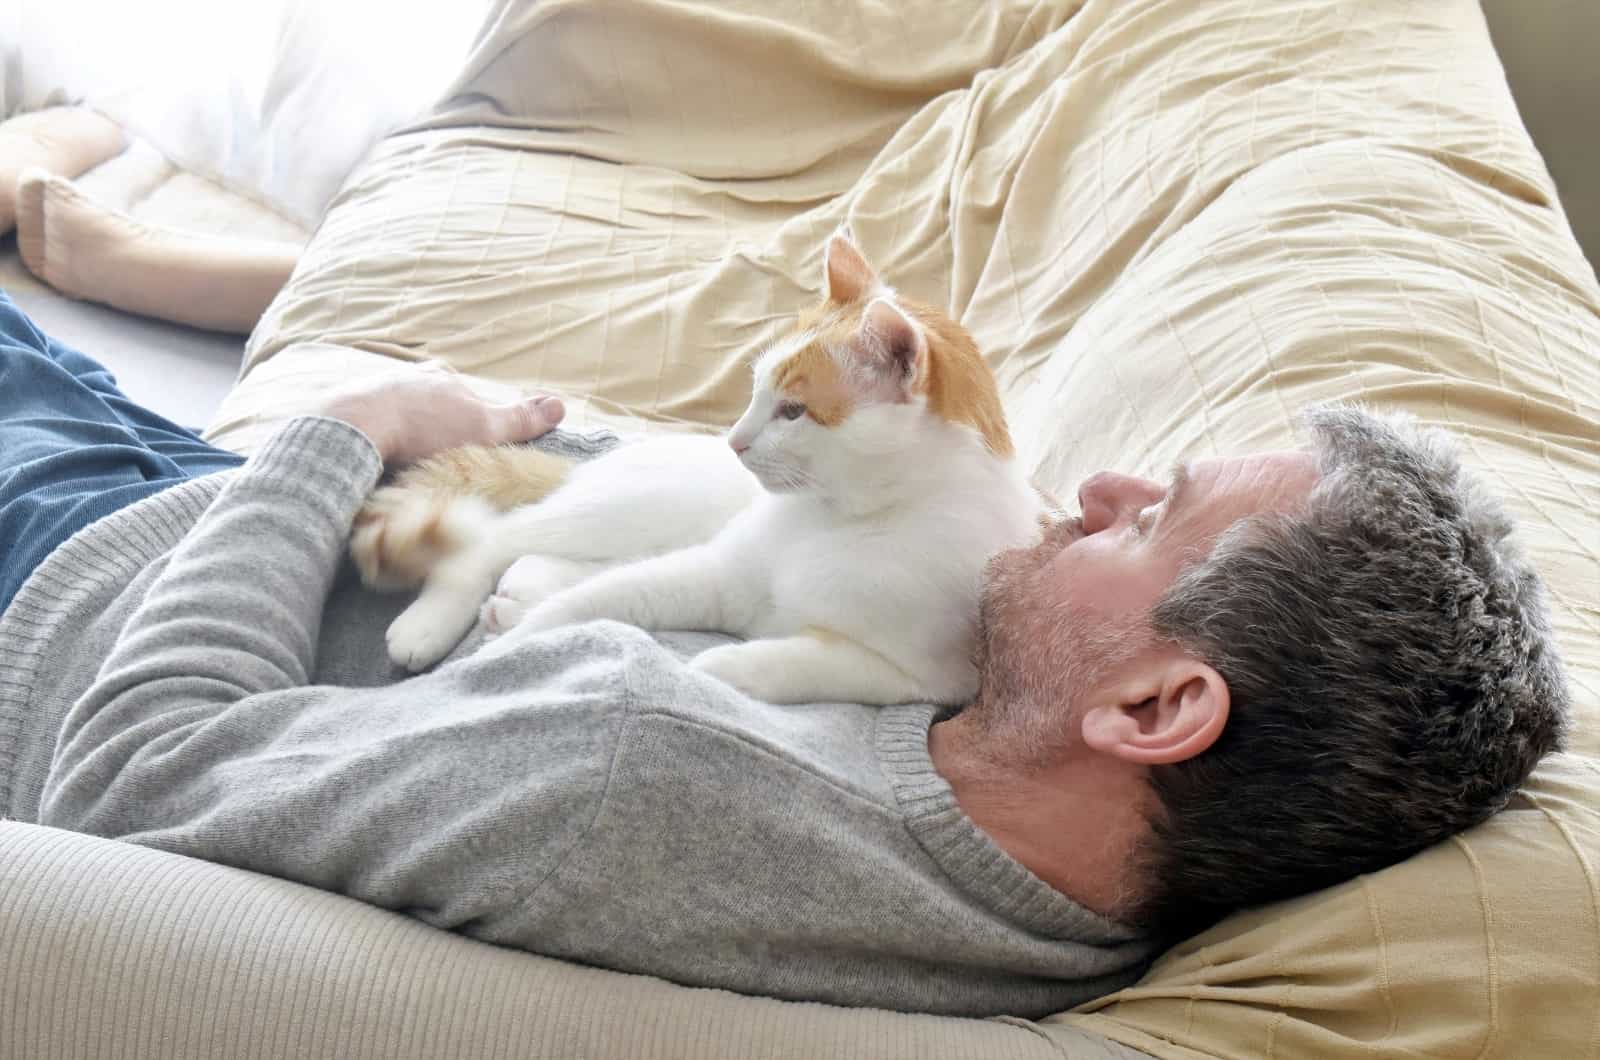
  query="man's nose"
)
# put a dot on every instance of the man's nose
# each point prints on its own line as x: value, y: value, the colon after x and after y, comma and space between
x: 1107, y: 498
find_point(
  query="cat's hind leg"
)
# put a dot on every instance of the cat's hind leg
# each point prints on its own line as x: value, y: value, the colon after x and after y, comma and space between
x: 433, y: 508
x: 557, y: 533
x: 459, y: 584
x: 684, y: 590
x: 632, y: 502
x: 400, y: 535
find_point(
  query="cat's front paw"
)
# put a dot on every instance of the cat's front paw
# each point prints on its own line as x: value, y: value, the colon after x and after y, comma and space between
x: 740, y: 666
x: 518, y: 621
x: 421, y: 636
x: 523, y: 586
x: 539, y: 618
x: 501, y: 613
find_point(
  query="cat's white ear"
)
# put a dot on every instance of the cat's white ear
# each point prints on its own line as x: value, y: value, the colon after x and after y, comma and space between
x: 894, y: 344
x: 846, y: 276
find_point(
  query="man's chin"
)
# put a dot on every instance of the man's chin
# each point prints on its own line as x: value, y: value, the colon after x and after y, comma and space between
x: 1059, y: 535
x: 1026, y: 560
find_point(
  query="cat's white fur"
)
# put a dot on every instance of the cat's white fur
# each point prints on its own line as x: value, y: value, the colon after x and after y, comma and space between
x: 850, y: 557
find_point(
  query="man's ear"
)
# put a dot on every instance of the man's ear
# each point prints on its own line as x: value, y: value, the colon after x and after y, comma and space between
x: 1168, y: 713
x: 846, y: 276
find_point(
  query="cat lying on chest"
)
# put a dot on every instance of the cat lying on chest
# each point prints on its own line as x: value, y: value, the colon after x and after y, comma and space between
x: 842, y: 527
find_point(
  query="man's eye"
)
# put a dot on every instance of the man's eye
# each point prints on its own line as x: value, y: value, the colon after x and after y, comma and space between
x: 791, y: 410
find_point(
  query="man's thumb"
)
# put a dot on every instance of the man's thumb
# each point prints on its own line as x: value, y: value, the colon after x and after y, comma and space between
x: 535, y: 416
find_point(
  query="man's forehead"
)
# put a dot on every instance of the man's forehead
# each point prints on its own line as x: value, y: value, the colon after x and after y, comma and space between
x: 1271, y: 481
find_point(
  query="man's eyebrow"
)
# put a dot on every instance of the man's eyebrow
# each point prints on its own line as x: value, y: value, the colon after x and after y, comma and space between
x: 1177, y: 492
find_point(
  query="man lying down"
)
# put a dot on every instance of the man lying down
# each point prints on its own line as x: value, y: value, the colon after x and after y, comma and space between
x: 1309, y: 665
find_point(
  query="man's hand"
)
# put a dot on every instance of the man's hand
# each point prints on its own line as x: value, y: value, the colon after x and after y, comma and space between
x: 414, y: 416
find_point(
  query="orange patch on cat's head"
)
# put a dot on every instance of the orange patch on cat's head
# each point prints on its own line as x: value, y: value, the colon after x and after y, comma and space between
x: 950, y: 373
x: 812, y: 377
x: 956, y: 381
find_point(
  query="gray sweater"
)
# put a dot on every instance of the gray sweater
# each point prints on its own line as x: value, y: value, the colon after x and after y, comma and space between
x: 203, y: 673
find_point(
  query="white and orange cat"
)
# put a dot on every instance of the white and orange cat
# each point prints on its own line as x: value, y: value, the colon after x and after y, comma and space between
x: 842, y: 528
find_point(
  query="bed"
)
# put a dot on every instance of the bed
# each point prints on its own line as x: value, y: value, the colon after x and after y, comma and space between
x: 1169, y: 224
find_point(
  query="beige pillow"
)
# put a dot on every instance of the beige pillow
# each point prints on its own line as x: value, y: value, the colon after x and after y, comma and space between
x: 1473, y: 310
x: 1485, y: 946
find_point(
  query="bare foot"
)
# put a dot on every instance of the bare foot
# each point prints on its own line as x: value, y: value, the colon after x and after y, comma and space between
x: 62, y: 140
x: 63, y: 234
x: 87, y: 250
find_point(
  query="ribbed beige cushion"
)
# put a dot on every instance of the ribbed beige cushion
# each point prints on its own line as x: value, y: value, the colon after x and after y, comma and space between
x: 1171, y: 224
x: 110, y: 950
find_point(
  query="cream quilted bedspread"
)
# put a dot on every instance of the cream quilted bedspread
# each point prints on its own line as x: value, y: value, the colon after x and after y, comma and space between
x: 1170, y: 223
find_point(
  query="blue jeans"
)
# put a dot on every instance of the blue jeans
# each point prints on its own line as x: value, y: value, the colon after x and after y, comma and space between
x: 74, y: 448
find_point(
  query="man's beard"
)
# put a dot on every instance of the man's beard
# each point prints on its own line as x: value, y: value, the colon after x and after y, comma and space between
x: 1037, y: 657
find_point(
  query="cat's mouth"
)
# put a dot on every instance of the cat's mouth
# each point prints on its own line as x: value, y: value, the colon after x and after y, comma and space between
x: 778, y: 479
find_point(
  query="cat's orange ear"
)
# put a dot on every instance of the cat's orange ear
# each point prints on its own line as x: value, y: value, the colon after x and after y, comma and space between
x: 846, y: 276
x: 894, y: 345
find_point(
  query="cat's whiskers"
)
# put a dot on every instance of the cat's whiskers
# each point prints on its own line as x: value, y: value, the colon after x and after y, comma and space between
x: 782, y: 475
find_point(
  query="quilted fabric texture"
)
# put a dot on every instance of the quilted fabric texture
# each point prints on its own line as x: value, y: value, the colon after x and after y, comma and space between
x: 1171, y: 225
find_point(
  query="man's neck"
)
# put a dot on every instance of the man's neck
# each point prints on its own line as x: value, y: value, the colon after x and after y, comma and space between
x: 1073, y: 823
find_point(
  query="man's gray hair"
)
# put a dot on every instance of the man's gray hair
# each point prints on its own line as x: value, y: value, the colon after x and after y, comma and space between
x: 1392, y: 674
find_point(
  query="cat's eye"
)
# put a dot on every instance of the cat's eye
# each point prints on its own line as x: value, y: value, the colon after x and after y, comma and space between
x: 791, y: 410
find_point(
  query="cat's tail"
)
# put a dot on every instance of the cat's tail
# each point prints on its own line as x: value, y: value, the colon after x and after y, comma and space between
x: 441, y: 505
x: 507, y: 476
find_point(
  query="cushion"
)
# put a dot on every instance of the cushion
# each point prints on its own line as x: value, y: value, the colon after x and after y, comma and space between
x: 1171, y: 226
x: 1486, y: 946
x: 150, y: 954
x: 622, y: 210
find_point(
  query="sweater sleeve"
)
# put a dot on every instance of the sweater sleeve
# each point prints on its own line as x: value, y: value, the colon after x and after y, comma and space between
x: 237, y: 611
x: 204, y: 736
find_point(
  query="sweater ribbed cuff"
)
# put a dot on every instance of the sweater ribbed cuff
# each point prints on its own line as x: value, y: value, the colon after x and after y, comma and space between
x: 318, y: 457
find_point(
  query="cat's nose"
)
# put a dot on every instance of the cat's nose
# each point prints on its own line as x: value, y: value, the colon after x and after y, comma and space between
x: 737, y: 446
